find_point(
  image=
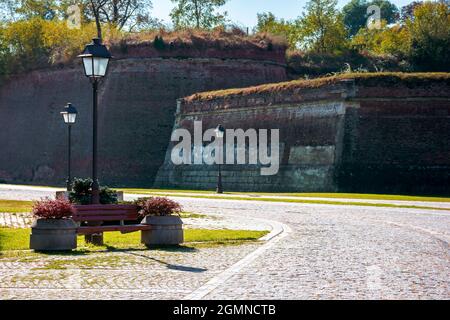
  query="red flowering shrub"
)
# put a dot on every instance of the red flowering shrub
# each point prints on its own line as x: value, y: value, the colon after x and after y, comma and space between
x: 157, y: 207
x: 53, y: 209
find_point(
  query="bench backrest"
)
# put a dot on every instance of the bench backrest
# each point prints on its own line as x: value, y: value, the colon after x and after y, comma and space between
x: 105, y: 213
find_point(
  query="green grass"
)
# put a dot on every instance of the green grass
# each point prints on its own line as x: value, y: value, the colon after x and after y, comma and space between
x: 15, y: 206
x: 18, y: 239
x: 85, y: 262
x: 14, y: 239
x: 150, y: 191
x: 366, y: 196
x: 200, y: 235
x: 190, y: 215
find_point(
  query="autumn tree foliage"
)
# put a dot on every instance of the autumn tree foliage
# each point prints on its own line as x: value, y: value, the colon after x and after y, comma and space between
x: 200, y: 14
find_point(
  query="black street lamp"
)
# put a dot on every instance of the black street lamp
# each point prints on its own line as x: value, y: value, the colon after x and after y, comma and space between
x: 95, y: 60
x: 220, y: 132
x: 69, y: 115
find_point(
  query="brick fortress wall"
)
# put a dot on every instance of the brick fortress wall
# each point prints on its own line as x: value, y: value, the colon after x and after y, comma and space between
x: 363, y: 134
x: 137, y: 104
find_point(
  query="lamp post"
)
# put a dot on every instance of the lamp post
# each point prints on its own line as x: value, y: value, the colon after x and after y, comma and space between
x: 220, y: 132
x: 95, y: 61
x: 69, y: 115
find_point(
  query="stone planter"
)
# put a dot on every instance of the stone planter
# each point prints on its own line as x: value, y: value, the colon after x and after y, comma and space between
x: 53, y: 235
x: 165, y: 230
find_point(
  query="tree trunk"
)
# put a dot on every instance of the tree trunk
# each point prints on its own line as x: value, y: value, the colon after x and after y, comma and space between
x: 95, y: 11
x: 197, y: 14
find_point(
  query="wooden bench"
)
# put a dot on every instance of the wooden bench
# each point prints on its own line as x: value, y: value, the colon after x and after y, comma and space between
x: 96, y: 215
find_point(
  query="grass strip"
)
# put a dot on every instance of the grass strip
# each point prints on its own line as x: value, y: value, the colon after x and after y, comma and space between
x: 18, y: 239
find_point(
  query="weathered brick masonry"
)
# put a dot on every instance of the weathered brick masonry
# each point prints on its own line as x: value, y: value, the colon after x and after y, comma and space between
x: 136, y: 112
x: 363, y: 134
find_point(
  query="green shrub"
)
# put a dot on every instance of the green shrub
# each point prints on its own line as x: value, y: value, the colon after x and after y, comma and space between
x: 159, y: 43
x: 108, y: 196
x: 82, y: 193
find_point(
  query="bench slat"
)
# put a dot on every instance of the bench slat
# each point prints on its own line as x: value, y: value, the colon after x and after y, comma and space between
x: 106, y: 218
x: 100, y: 212
x: 100, y: 207
x: 129, y: 228
x: 100, y: 216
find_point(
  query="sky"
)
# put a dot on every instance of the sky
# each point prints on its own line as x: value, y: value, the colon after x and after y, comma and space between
x: 243, y: 12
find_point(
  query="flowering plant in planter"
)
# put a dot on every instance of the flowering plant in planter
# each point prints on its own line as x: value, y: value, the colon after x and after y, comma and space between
x: 157, y: 206
x: 53, y: 229
x: 53, y: 209
x: 163, y: 217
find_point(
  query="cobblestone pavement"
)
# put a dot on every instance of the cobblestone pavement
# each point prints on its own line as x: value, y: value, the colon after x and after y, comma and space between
x: 343, y: 252
x: 330, y: 252
x: 15, y: 220
x: 145, y: 274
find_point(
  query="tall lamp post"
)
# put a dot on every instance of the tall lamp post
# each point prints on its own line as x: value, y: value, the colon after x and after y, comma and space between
x: 95, y: 60
x: 220, y: 132
x: 69, y: 115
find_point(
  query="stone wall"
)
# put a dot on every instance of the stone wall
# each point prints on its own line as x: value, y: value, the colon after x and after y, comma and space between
x: 398, y: 139
x: 136, y: 114
x: 362, y: 134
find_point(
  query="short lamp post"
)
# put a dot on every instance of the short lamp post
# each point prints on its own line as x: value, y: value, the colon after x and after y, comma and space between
x: 95, y: 61
x: 69, y: 115
x: 220, y: 132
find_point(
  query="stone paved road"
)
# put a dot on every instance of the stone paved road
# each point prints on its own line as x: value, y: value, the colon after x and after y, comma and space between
x: 342, y: 252
x: 333, y: 252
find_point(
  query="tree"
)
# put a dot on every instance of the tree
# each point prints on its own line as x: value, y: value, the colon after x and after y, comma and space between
x: 25, y: 44
x: 429, y: 30
x: 321, y: 29
x: 27, y: 9
x: 407, y: 12
x: 355, y: 13
x: 267, y: 22
x: 4, y: 52
x: 122, y: 13
x: 45, y: 9
x: 198, y: 13
x: 384, y: 41
x: 119, y: 14
x: 95, y: 6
